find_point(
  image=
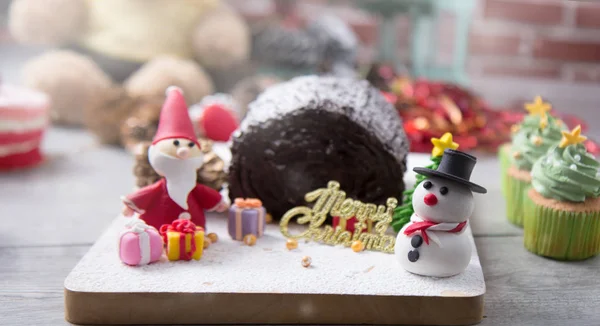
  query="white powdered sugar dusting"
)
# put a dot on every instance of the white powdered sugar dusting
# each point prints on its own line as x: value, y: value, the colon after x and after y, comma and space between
x: 356, y: 99
x: 229, y: 266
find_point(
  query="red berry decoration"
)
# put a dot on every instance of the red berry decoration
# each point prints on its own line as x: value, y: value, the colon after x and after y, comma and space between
x: 218, y: 123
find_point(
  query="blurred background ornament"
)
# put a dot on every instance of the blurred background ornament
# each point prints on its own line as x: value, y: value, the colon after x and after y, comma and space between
x: 147, y: 45
x: 161, y: 72
x: 288, y: 48
x: 73, y: 82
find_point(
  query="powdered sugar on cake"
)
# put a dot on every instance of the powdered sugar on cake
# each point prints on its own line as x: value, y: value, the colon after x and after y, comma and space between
x: 364, y: 105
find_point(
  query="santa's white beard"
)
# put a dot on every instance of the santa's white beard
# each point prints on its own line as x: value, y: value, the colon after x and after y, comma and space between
x: 180, y: 174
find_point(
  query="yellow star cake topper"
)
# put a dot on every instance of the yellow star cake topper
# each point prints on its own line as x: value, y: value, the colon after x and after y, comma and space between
x: 440, y: 144
x: 538, y: 107
x: 571, y: 138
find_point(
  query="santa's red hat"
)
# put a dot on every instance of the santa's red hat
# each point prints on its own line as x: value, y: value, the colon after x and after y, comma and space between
x: 174, y: 120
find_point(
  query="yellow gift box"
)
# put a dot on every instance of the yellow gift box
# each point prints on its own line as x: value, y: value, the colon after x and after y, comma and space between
x: 181, y: 247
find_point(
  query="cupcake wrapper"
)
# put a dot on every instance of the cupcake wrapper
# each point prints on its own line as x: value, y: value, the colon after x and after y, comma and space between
x: 504, y: 158
x: 560, y: 234
x: 516, y: 190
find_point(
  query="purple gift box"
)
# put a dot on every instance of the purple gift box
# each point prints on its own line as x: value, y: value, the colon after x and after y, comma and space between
x: 246, y: 217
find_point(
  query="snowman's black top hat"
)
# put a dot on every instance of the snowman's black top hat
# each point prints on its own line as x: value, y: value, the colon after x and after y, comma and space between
x: 455, y: 166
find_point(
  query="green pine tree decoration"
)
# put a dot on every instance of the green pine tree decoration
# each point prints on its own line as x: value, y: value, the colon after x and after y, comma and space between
x: 403, y: 213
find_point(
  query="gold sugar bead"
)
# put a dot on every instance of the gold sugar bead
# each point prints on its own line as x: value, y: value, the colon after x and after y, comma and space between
x: 291, y: 244
x: 537, y: 140
x: 213, y: 237
x: 357, y: 246
x: 516, y: 154
x: 515, y: 128
x: 306, y: 261
x: 207, y: 243
x: 250, y: 239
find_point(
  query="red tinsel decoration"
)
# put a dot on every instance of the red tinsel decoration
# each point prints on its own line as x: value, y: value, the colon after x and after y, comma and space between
x: 429, y: 109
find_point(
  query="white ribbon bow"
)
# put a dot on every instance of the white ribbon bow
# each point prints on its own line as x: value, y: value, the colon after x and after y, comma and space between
x: 137, y: 225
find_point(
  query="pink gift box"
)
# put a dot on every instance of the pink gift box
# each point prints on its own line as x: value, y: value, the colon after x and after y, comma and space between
x: 140, y: 244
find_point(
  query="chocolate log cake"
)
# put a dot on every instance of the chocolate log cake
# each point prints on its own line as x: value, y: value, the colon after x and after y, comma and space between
x: 300, y: 134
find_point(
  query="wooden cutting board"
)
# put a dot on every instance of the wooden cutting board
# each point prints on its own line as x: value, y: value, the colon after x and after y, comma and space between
x: 266, y: 284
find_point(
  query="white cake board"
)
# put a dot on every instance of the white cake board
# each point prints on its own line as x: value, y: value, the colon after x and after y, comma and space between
x: 266, y: 284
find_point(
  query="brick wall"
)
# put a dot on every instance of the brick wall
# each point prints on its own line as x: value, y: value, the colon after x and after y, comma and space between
x: 549, y: 39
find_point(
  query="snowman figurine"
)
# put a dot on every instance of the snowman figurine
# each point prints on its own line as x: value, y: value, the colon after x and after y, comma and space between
x: 434, y: 242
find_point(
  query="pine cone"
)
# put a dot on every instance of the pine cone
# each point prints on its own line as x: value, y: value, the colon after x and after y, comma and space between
x: 211, y: 173
x: 105, y: 119
x: 142, y: 123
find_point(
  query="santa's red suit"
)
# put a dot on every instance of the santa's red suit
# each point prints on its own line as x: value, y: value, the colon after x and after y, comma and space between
x: 158, y: 208
x: 154, y: 203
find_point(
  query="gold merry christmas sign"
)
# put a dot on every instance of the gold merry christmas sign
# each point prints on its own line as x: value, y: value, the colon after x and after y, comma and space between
x: 332, y: 201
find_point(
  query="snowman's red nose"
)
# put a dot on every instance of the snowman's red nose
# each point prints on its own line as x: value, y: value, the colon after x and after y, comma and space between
x: 430, y: 199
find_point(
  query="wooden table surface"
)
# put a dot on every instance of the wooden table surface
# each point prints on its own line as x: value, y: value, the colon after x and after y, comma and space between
x: 50, y: 216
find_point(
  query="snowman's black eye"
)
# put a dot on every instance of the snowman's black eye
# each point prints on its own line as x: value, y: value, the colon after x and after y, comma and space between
x: 443, y: 190
x: 176, y: 142
x: 427, y: 184
x: 191, y: 144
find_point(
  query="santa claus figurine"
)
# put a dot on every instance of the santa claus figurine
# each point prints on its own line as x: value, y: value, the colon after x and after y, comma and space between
x: 176, y: 156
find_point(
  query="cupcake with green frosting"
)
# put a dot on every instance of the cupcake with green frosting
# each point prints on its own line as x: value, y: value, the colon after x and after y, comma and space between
x: 527, y: 147
x: 562, y: 208
x: 529, y: 124
x: 504, y: 158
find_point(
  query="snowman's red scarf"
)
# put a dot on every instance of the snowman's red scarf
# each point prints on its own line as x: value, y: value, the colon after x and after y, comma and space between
x: 422, y: 225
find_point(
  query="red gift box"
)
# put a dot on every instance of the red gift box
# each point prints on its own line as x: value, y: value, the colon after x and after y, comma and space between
x: 348, y: 224
x: 184, y: 240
